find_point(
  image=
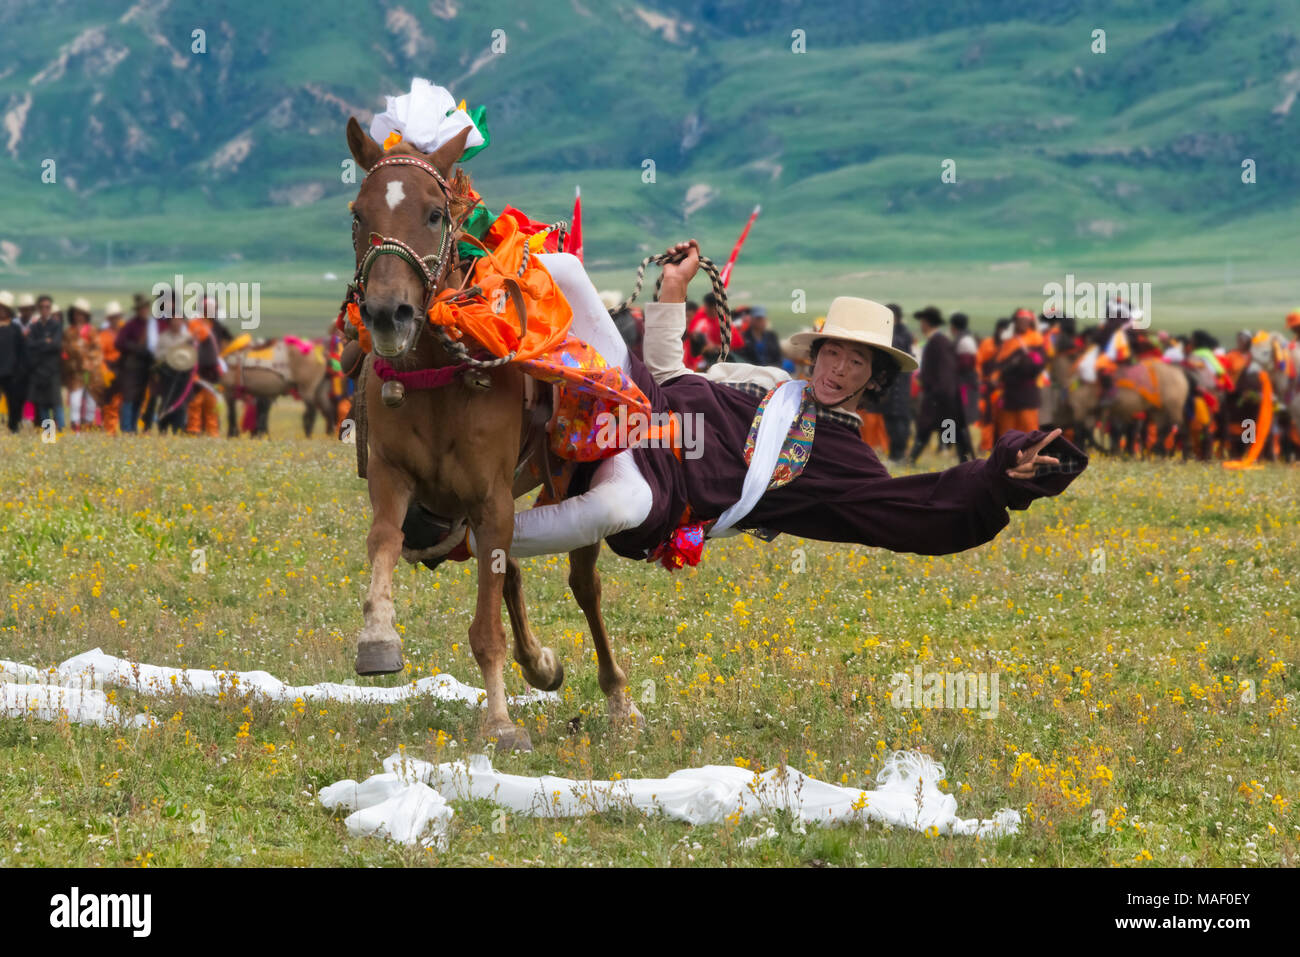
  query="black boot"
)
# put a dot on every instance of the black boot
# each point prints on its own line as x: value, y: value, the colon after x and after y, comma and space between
x: 422, y: 529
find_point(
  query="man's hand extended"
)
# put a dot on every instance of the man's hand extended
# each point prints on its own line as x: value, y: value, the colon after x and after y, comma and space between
x: 679, y: 272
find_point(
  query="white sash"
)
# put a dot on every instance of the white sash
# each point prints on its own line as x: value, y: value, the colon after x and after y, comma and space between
x: 782, y: 409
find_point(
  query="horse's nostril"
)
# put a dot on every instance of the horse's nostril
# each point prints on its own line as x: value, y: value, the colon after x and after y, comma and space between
x: 404, y: 313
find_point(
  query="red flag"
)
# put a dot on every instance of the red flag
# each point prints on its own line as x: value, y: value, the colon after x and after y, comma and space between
x: 726, y: 270
x: 573, y: 243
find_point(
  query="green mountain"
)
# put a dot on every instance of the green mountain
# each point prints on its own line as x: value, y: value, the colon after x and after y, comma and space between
x: 228, y: 159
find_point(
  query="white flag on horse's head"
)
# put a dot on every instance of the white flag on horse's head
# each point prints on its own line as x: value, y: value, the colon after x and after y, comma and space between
x: 427, y: 117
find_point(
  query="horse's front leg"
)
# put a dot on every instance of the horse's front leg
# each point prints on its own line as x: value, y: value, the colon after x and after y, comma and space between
x: 379, y: 649
x: 493, y: 530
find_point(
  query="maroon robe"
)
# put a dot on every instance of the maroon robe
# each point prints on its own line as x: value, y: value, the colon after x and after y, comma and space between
x: 844, y: 493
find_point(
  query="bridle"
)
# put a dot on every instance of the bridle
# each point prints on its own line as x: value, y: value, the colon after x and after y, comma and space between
x: 431, y: 269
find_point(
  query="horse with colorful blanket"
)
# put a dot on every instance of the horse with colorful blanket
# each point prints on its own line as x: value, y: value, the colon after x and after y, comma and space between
x: 262, y: 373
x: 462, y: 331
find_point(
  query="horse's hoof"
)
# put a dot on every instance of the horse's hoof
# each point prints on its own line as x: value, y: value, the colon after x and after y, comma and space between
x: 549, y: 674
x: 382, y: 657
x: 510, y: 738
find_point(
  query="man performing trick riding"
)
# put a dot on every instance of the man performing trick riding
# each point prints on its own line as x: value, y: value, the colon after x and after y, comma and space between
x: 807, y: 473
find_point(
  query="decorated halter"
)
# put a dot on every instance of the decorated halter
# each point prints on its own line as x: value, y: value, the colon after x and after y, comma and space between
x: 430, y: 268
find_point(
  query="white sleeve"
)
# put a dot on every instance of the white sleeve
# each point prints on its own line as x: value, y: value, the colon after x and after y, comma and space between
x: 769, y: 377
x: 665, y: 324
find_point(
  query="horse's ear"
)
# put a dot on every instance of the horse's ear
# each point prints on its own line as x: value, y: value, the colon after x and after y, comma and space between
x: 364, y: 150
x: 446, y: 155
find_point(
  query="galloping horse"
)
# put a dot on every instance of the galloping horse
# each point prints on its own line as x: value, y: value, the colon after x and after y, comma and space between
x: 452, y: 450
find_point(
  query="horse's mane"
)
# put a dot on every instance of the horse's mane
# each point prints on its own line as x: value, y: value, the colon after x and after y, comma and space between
x: 462, y: 195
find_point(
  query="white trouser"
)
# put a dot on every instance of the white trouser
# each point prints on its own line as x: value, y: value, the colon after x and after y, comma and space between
x: 618, y: 499
x: 81, y: 407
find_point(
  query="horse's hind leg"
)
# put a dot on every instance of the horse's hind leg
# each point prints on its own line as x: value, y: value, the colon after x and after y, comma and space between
x: 493, y: 527
x: 379, y: 649
x: 541, y: 666
x: 584, y: 582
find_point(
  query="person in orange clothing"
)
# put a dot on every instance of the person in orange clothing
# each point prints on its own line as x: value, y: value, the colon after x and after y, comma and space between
x: 1235, y: 362
x: 111, y: 408
x: 990, y: 394
x: 202, y: 414
x: 873, y: 426
x: 1020, y: 361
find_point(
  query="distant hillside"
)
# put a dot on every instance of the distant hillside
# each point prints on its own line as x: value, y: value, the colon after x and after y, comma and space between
x: 233, y: 155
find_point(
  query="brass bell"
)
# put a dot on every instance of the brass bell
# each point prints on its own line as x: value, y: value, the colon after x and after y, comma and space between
x: 393, y: 393
x: 477, y: 379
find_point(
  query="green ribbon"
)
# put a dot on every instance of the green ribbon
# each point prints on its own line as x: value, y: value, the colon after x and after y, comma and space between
x: 479, y: 116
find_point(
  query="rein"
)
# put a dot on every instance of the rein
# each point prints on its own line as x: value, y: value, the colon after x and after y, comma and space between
x: 432, y: 270
x: 719, y: 292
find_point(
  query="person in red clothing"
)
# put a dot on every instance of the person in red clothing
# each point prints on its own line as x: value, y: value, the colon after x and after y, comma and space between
x: 703, y: 343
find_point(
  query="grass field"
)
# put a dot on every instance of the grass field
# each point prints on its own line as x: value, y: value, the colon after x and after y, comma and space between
x: 1143, y: 627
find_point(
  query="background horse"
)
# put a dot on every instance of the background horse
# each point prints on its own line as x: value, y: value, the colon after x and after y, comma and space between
x: 283, y: 367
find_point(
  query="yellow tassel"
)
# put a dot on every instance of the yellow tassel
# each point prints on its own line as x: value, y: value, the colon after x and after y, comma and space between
x: 391, y: 140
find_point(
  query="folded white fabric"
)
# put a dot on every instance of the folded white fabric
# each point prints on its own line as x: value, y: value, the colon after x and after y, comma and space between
x: 389, y: 806
x: 908, y: 795
x: 47, y: 702
x: 75, y: 688
x: 426, y: 117
x: 96, y: 669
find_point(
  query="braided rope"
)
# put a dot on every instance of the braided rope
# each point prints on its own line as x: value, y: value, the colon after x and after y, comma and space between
x: 719, y: 291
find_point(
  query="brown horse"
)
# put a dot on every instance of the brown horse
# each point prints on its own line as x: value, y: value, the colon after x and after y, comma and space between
x: 1149, y: 390
x: 453, y: 449
x: 277, y: 369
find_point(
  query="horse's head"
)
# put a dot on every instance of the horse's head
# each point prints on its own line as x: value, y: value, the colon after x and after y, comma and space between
x: 404, y: 211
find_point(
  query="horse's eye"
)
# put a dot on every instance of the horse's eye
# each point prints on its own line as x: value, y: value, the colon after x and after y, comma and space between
x: 435, y: 217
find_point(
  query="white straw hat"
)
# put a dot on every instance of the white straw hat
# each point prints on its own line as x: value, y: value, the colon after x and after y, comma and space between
x: 26, y: 300
x: 7, y: 299
x: 856, y: 320
x: 114, y: 308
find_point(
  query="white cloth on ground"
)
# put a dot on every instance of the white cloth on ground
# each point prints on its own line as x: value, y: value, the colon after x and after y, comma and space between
x: 908, y: 795
x: 77, y: 682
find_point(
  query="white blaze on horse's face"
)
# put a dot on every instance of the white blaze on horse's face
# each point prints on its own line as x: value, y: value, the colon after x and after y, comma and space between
x: 395, y: 194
